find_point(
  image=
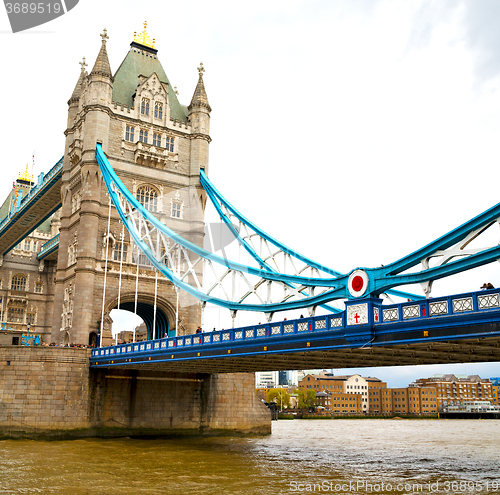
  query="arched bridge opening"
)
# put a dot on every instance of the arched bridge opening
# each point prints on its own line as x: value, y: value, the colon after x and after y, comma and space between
x: 158, y: 316
x: 156, y: 328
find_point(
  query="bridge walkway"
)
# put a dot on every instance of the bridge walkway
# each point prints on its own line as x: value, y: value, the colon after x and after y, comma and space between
x: 454, y: 329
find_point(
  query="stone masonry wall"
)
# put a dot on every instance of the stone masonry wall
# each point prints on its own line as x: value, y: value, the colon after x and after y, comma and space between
x: 43, y: 389
x: 50, y: 392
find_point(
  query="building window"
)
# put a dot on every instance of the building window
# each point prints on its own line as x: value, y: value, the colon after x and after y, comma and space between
x: 143, y: 259
x: 30, y: 318
x: 156, y: 139
x: 176, y: 209
x: 148, y: 197
x: 15, y: 314
x: 27, y: 245
x: 18, y: 283
x: 129, y: 133
x: 143, y: 136
x: 117, y: 252
x: 38, y: 287
x: 158, y: 111
x: 170, y: 144
x: 145, y: 106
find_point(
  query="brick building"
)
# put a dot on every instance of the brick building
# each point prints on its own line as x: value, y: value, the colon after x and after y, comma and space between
x: 409, y: 400
x: 340, y: 390
x: 452, y: 390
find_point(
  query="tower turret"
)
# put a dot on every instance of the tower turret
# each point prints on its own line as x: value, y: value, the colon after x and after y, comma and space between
x: 74, y: 101
x: 199, y: 117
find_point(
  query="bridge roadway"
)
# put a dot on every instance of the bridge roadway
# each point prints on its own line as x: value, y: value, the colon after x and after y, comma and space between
x: 38, y: 205
x: 454, y: 329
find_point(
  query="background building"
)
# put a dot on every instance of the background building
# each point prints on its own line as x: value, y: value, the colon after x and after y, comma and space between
x: 27, y: 283
x: 452, y: 390
x: 340, y: 386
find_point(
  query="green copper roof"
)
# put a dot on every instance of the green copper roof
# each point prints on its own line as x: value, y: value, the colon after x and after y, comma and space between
x: 5, y: 208
x: 143, y: 62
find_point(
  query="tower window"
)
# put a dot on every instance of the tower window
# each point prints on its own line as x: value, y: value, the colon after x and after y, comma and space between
x: 156, y: 139
x: 158, y: 111
x: 148, y: 197
x: 170, y: 144
x: 176, y: 209
x: 142, y: 259
x: 15, y: 314
x: 129, y: 134
x: 38, y: 287
x: 117, y: 252
x: 145, y: 106
x: 143, y: 136
x: 18, y: 283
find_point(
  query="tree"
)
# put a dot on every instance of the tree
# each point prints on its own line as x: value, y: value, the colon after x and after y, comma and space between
x: 306, y: 400
x: 280, y: 396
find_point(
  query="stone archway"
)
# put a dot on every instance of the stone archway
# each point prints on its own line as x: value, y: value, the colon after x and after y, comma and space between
x: 165, y: 313
x: 93, y: 339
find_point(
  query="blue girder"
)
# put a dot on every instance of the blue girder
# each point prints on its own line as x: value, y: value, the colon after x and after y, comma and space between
x: 379, y: 280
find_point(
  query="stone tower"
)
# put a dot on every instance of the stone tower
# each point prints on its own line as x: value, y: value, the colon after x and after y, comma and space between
x: 157, y: 147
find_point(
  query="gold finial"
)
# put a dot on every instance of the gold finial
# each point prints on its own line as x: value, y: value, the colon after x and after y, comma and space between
x: 201, y: 69
x: 104, y: 35
x: 175, y: 90
x: 144, y: 38
x: 26, y: 175
x: 83, y: 64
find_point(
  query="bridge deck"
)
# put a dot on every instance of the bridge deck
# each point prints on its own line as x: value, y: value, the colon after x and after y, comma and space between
x: 41, y: 202
x: 454, y: 329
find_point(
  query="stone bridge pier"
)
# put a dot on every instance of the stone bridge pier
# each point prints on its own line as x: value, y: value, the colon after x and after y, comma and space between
x: 50, y: 392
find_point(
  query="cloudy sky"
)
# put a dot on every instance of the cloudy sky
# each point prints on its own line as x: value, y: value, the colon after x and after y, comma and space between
x: 355, y: 131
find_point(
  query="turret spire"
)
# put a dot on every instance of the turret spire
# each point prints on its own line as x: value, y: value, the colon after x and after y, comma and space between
x: 78, y: 88
x: 200, y: 95
x: 101, y: 66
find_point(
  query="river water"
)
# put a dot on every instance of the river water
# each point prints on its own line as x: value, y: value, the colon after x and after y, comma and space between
x: 301, y: 456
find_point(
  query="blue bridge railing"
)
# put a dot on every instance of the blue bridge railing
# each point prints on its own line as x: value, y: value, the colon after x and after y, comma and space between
x: 49, y: 247
x: 25, y: 202
x: 383, y: 316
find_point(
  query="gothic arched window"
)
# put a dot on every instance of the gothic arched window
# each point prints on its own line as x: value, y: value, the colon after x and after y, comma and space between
x: 158, y: 111
x: 169, y: 144
x: 145, y: 106
x: 157, y: 139
x: 148, y: 197
x: 129, y: 133
x: 18, y: 282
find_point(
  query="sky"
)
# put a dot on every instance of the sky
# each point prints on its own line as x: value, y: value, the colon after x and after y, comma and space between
x: 354, y: 131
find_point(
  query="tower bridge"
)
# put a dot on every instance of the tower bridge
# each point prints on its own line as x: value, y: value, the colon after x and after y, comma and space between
x: 455, y: 329
x: 28, y: 212
x: 118, y: 222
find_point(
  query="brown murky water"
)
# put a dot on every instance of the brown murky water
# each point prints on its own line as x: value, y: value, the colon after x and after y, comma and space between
x: 301, y: 456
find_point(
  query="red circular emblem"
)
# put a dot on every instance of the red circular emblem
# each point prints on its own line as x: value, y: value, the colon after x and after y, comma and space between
x: 357, y: 283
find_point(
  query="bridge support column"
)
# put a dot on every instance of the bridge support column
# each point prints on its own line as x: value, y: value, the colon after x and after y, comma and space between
x: 50, y: 392
x: 145, y: 403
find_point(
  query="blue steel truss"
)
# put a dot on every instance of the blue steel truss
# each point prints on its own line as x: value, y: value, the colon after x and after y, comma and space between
x: 459, y: 317
x: 24, y: 204
x: 166, y: 250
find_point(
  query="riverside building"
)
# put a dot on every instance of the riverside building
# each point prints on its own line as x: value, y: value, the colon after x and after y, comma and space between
x: 453, y: 390
x: 340, y: 390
